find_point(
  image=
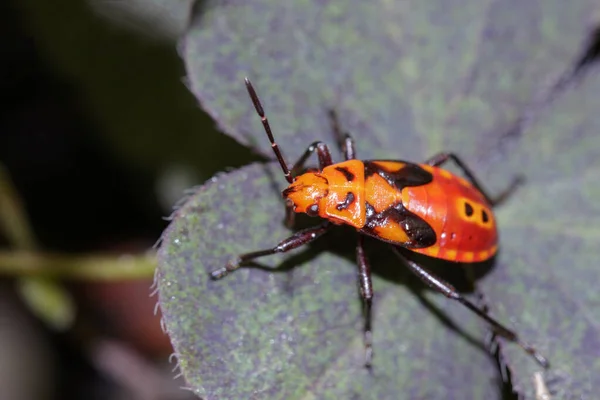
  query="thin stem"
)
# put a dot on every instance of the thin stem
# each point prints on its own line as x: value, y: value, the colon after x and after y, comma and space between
x: 85, y: 267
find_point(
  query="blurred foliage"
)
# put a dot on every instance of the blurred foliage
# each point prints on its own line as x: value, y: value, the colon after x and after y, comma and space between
x: 45, y: 297
x: 85, y: 95
x: 132, y: 88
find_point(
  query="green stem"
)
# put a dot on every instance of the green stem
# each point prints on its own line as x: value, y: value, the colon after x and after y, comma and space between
x: 85, y: 267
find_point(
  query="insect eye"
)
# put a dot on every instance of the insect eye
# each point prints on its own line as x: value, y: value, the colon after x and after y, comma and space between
x: 313, y: 210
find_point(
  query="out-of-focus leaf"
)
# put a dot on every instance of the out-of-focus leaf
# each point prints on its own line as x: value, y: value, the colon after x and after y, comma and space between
x: 14, y: 223
x: 408, y: 79
x: 28, y: 361
x: 49, y: 301
x: 132, y: 86
x: 46, y: 298
x: 164, y: 18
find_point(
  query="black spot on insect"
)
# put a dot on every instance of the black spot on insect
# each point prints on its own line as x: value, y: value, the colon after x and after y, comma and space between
x: 484, y: 216
x: 408, y: 175
x: 469, y: 209
x: 452, y: 236
x: 313, y: 211
x: 419, y: 232
x: 347, y: 202
x: 290, y: 190
x: 347, y: 174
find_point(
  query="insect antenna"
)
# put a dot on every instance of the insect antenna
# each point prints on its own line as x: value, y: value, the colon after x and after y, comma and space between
x: 265, y: 121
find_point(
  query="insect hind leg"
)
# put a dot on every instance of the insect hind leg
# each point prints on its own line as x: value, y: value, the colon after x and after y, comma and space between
x: 449, y: 291
x: 442, y: 158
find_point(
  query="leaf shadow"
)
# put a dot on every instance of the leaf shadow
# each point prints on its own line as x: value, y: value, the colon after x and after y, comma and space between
x: 385, y: 265
x: 589, y: 55
x: 508, y: 136
x: 390, y: 267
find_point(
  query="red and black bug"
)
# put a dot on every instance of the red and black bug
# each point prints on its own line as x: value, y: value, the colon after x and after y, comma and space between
x: 420, y: 207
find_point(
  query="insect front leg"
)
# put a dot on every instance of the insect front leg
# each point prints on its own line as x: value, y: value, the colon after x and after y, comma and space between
x: 366, y: 292
x: 296, y: 240
x: 442, y: 158
x: 449, y: 291
x: 290, y: 215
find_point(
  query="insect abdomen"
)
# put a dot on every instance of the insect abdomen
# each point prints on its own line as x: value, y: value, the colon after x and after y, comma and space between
x: 463, y: 222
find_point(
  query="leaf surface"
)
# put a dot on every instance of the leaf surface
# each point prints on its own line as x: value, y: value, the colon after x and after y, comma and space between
x: 296, y: 333
x: 546, y: 274
x: 408, y: 79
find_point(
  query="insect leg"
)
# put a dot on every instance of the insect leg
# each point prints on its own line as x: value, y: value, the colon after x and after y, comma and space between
x: 442, y: 158
x: 344, y: 139
x: 322, y: 152
x: 449, y: 291
x: 290, y: 216
x: 366, y: 292
x: 298, y: 239
x: 491, y: 341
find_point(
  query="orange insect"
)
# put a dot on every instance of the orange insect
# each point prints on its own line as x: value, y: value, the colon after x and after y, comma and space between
x: 420, y: 207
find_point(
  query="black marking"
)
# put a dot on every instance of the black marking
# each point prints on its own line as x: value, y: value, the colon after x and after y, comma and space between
x: 347, y: 202
x: 419, y: 232
x: 347, y: 174
x: 409, y: 175
x: 469, y: 209
x: 290, y: 190
x: 484, y: 216
x: 313, y: 210
x: 293, y: 188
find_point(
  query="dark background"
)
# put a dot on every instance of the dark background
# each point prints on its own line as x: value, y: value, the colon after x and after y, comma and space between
x: 99, y: 137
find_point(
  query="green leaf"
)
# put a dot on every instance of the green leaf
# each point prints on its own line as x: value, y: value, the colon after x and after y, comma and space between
x: 296, y: 333
x: 545, y: 279
x: 408, y: 79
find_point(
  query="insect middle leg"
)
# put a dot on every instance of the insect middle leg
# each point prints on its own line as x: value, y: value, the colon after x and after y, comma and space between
x: 366, y: 292
x: 298, y: 239
x: 442, y: 158
x: 449, y: 291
